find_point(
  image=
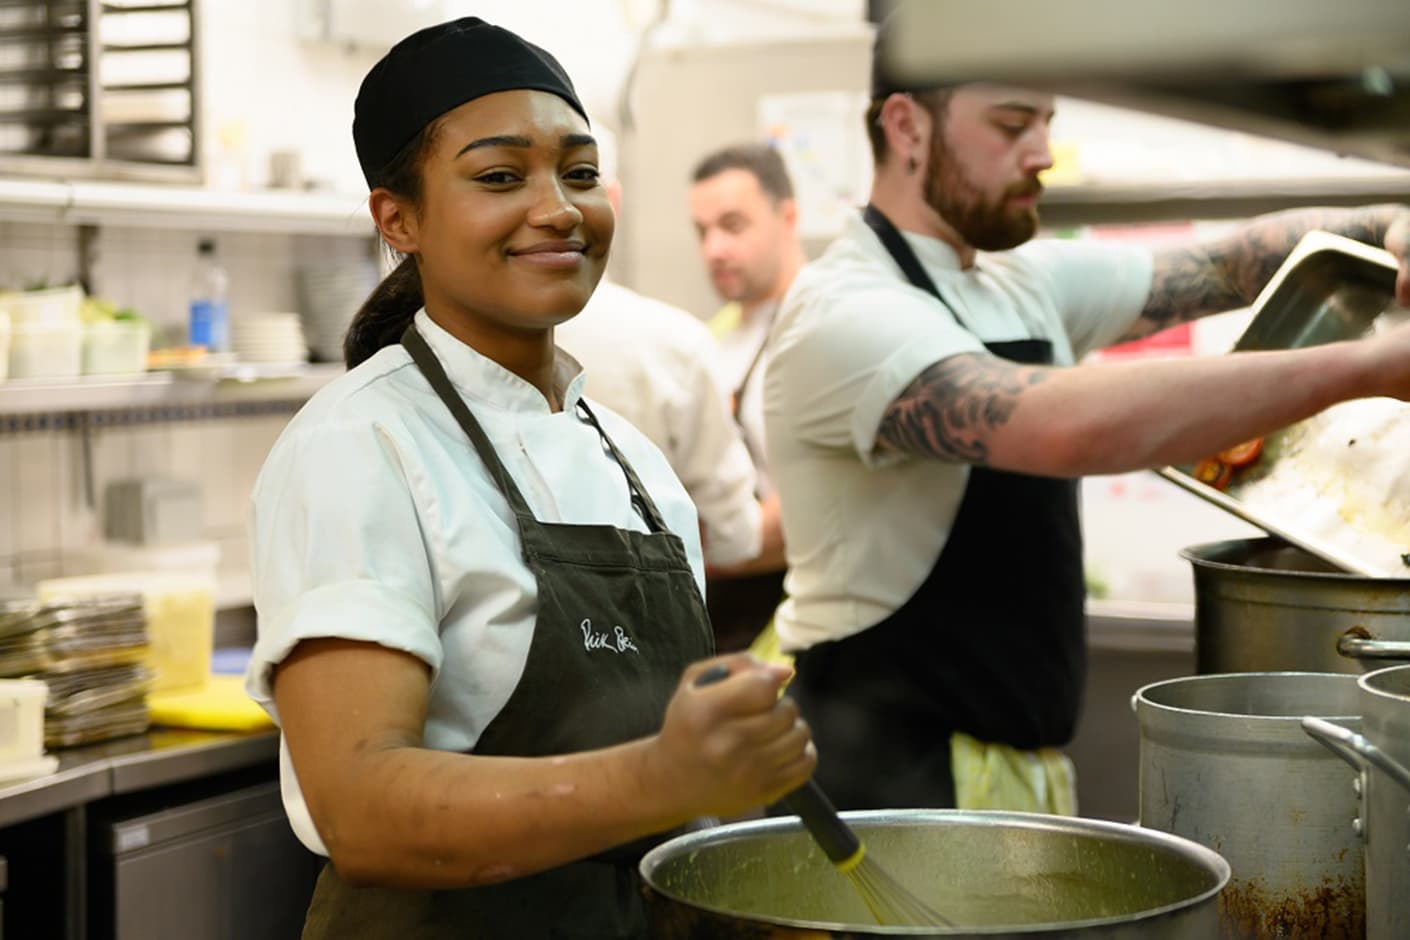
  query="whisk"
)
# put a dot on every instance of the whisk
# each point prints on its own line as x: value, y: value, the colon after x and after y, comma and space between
x: 889, y: 902
x: 887, y: 899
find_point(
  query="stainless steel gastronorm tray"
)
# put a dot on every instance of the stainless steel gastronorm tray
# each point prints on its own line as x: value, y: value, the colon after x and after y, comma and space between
x: 1330, y: 288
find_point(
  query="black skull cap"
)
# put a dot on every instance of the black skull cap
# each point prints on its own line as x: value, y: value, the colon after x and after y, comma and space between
x: 437, y: 69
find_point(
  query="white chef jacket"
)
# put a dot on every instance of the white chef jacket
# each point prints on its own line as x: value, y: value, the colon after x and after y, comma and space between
x: 374, y: 519
x: 863, y: 529
x: 745, y: 356
x: 658, y: 366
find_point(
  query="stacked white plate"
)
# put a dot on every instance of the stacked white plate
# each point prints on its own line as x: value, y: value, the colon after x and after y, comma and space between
x: 329, y: 295
x: 268, y: 337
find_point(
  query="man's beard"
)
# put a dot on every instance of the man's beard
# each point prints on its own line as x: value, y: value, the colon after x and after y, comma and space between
x: 984, y: 225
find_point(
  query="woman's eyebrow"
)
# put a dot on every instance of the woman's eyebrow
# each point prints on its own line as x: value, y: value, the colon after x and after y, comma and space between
x: 500, y: 140
x: 515, y: 140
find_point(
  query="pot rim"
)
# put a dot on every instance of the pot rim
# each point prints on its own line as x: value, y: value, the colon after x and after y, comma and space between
x: 1141, y: 700
x: 1192, y: 851
x: 1371, y: 683
x: 1189, y: 553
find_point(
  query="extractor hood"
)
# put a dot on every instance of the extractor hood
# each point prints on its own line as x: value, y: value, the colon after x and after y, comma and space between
x: 1333, y: 74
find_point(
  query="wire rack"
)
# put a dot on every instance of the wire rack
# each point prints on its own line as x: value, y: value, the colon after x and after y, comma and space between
x: 99, y: 88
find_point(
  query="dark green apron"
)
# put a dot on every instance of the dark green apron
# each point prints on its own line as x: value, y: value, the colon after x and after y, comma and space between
x: 619, y: 617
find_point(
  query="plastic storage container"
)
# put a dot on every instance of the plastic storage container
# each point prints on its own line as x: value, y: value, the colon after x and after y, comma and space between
x: 22, y: 720
x: 116, y: 347
x: 46, y: 350
x: 54, y: 305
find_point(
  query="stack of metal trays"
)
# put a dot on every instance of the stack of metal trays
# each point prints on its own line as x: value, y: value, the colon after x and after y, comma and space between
x: 91, y: 653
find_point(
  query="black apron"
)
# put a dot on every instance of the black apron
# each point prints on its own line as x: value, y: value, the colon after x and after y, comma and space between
x: 619, y: 617
x: 992, y: 643
x: 742, y: 606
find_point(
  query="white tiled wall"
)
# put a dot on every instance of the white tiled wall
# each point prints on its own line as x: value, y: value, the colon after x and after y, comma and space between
x: 49, y: 528
x: 46, y: 520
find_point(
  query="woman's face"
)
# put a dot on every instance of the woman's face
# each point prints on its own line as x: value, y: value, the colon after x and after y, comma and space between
x: 514, y: 226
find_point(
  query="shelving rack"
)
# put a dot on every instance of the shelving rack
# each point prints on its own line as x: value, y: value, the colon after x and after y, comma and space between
x: 62, y: 75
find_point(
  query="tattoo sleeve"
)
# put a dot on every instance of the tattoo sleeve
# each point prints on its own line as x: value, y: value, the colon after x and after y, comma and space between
x: 1191, y: 282
x: 951, y: 408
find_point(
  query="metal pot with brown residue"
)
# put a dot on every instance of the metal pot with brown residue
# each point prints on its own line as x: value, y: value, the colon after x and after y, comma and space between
x: 1225, y: 762
x: 1382, y: 758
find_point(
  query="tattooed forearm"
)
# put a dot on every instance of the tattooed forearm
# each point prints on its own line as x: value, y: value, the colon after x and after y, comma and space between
x: 1190, y: 282
x: 951, y: 408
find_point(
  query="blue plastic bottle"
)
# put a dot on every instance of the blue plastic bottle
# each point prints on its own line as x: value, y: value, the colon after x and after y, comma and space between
x: 209, y: 323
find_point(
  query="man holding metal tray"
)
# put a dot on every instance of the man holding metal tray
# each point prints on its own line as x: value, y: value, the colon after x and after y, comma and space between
x: 927, y: 424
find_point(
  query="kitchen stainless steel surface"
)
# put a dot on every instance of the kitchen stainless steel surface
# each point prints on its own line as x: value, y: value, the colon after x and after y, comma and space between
x: 1262, y: 605
x: 1328, y: 289
x: 124, y: 765
x: 1225, y: 762
x: 996, y: 874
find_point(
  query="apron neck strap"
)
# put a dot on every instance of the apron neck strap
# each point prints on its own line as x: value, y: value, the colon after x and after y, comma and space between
x: 435, y: 373
x: 904, y: 255
x: 641, y: 499
x: 430, y: 366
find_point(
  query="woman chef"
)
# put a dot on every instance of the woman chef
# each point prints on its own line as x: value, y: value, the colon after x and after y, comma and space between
x: 479, y: 597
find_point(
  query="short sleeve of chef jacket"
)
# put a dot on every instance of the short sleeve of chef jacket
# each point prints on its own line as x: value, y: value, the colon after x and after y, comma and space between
x: 852, y: 336
x: 845, y: 348
x: 339, y: 550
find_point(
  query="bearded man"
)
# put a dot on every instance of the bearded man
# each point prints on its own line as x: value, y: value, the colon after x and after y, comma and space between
x: 927, y: 423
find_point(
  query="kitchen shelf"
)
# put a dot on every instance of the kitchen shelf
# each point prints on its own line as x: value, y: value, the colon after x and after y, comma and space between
x: 236, y: 384
x: 139, y: 205
x: 1096, y: 204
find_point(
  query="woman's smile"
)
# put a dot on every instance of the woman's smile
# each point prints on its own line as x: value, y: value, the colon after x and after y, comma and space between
x: 552, y: 255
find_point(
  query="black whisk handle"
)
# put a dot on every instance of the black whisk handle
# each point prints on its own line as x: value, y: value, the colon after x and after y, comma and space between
x: 834, y: 837
x: 809, y: 803
x: 712, y: 675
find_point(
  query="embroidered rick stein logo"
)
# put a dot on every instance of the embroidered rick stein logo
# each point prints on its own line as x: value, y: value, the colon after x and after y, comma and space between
x: 615, y: 642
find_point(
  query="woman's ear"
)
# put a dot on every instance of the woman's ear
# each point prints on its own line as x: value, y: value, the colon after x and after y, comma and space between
x: 395, y: 220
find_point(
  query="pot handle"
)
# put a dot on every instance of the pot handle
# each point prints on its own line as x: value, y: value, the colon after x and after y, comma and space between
x: 1354, y: 749
x: 1361, y: 647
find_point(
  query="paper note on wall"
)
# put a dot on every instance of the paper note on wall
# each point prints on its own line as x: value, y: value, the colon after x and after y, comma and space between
x: 824, y: 145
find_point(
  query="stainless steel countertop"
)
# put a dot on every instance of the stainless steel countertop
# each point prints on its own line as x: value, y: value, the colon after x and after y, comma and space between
x: 138, y: 762
x: 1134, y: 626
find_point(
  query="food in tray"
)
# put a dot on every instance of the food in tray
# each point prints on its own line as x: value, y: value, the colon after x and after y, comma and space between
x: 1343, y: 478
x: 1218, y: 471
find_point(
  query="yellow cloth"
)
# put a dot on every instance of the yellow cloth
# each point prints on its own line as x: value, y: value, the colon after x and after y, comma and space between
x: 725, y: 320
x: 219, y: 705
x: 766, y: 647
x: 987, y: 776
x: 996, y: 776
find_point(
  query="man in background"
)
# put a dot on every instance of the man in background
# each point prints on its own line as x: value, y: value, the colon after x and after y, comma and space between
x: 658, y: 366
x: 742, y: 206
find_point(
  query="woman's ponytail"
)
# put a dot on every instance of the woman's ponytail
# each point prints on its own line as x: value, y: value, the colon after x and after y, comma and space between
x: 385, y: 314
x: 392, y: 305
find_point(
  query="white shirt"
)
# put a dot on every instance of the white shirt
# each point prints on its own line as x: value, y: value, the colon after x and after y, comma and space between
x: 658, y: 367
x: 374, y: 519
x: 745, y: 355
x: 863, y: 529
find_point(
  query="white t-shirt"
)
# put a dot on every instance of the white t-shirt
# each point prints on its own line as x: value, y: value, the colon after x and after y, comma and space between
x: 743, y: 347
x: 863, y: 529
x: 374, y: 519
x: 658, y: 367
